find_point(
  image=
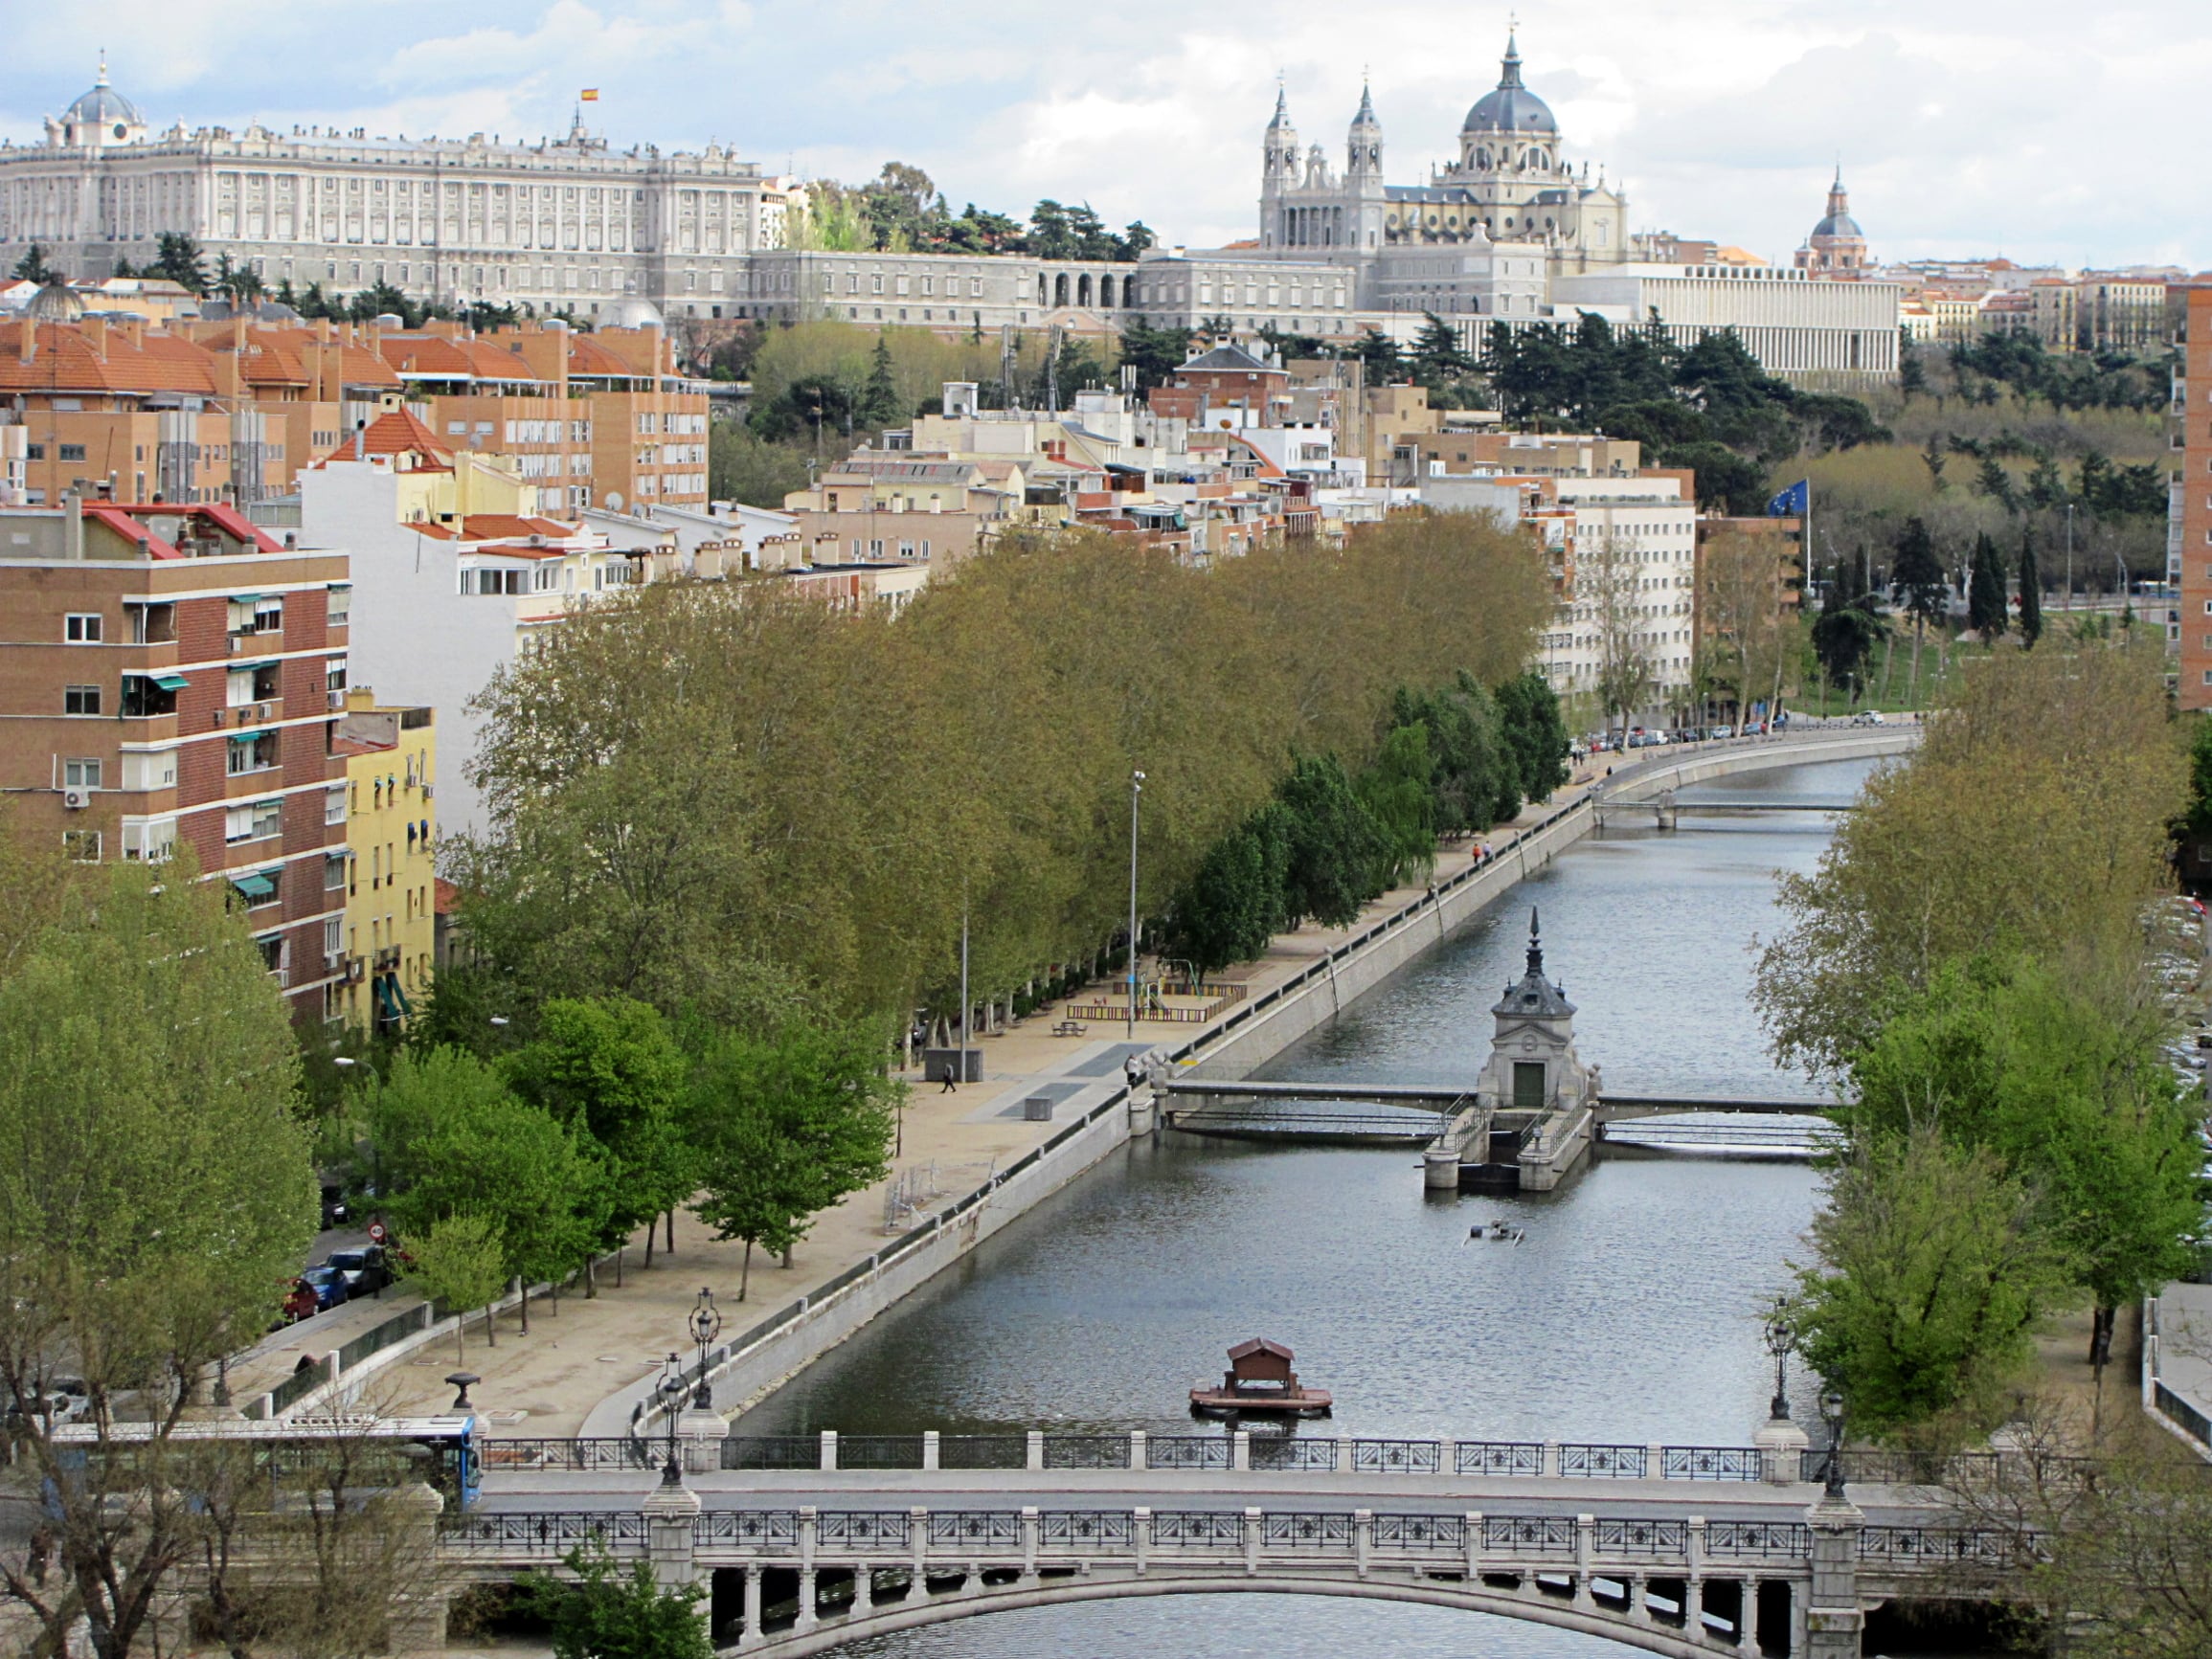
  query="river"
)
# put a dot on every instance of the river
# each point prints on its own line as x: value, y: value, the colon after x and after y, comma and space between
x: 1629, y: 1314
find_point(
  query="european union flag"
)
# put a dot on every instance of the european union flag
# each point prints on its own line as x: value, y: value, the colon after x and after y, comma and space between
x: 1792, y: 502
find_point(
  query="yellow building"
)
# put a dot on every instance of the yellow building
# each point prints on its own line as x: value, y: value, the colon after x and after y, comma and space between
x: 391, y: 868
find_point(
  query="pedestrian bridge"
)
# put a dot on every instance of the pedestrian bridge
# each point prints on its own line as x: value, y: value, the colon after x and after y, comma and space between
x: 1675, y: 1550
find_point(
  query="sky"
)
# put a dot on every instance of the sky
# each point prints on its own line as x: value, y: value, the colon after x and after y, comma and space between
x: 2044, y: 130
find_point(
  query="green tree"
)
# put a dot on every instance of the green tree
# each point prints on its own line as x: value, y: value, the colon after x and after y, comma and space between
x: 1923, y: 587
x: 1438, y: 354
x: 599, y: 1611
x: 1995, y: 483
x: 1477, y: 781
x: 1233, y: 907
x: 1396, y: 789
x: 611, y: 1071
x: 2031, y: 592
x: 879, y: 400
x: 1332, y: 843
x: 461, y: 1262
x: 1932, y: 1275
x: 1985, y: 601
x: 1535, y: 733
x: 786, y: 1125
x: 743, y: 466
x: 156, y: 1195
x: 178, y: 260
x: 34, y: 267
x: 1912, y: 374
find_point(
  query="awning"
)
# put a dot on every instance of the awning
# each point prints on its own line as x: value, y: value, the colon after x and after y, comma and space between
x: 172, y: 682
x: 388, y: 996
x: 245, y: 739
x: 255, y: 885
x: 247, y: 598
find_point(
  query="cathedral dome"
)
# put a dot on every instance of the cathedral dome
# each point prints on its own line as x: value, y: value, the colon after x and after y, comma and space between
x: 1511, y: 107
x: 1838, y: 225
x: 103, y: 106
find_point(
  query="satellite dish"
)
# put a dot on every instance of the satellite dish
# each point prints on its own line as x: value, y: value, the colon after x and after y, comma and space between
x: 614, y: 501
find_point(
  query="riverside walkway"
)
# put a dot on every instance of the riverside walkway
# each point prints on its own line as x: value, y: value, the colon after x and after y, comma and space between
x: 1674, y: 1550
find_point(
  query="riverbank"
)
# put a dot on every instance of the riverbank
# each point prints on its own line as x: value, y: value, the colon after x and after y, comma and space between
x: 588, y: 1366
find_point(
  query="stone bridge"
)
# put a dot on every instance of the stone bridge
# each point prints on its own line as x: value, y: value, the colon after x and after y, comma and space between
x: 1674, y: 1550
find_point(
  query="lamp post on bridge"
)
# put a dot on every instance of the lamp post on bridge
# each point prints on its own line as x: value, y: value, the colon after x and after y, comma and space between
x: 670, y: 1389
x: 706, y: 1323
x: 1831, y: 1414
x: 1781, y: 1443
x: 1781, y: 1340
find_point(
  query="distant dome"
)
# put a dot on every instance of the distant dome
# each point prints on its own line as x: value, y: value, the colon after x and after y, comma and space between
x: 1838, y: 225
x: 632, y: 312
x: 104, y: 107
x: 55, y: 303
x: 1512, y: 107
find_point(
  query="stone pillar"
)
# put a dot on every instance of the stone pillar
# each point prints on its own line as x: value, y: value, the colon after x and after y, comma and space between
x: 699, y: 1436
x: 1637, y: 1587
x: 1240, y: 1451
x: 1252, y: 1531
x: 1473, y: 1548
x: 1140, y: 1535
x: 1585, y: 1546
x: 1363, y: 1538
x: 416, y: 1621
x: 932, y: 1449
x: 1654, y: 1462
x: 1748, y: 1621
x: 1344, y: 1454
x: 918, y: 1538
x: 829, y: 1448
x: 669, y: 1515
x: 1833, y: 1621
x: 862, y: 1589
x: 1138, y: 1456
x: 1781, y: 1445
x: 749, y: 1621
x: 809, y: 1527
x: 1030, y: 1530
x: 1551, y: 1458
x: 1035, y: 1448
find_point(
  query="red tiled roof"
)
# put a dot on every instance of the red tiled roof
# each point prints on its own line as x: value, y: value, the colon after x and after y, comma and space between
x: 65, y: 361
x: 394, y: 432
x: 496, y: 526
x: 445, y: 896
x: 438, y: 357
x: 126, y: 522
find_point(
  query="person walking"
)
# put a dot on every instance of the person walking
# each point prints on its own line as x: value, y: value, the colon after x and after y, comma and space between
x: 952, y: 1086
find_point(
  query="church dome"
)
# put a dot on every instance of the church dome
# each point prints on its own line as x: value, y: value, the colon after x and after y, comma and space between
x: 57, y: 302
x: 1839, y: 225
x: 1511, y: 107
x: 103, y: 106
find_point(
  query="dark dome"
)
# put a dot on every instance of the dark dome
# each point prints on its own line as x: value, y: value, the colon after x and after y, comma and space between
x: 103, y: 106
x: 1839, y: 225
x: 1511, y: 107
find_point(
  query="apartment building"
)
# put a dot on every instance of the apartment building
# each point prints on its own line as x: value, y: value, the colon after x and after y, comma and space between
x: 2190, y: 509
x: 389, y: 754
x: 170, y: 675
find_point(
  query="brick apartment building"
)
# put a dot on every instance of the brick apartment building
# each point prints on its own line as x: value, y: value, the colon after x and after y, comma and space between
x: 170, y: 675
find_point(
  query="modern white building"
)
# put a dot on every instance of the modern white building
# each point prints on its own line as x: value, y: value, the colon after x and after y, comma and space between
x: 1795, y: 322
x: 561, y: 222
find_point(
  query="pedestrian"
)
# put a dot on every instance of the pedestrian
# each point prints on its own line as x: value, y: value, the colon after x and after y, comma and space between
x: 41, y: 1551
x: 951, y: 1087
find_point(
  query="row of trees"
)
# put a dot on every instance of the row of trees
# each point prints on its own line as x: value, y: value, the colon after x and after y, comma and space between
x: 901, y: 210
x: 709, y: 799
x: 1969, y: 963
x: 1452, y: 760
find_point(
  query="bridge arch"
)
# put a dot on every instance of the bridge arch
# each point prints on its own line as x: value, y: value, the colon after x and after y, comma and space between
x: 1530, y: 1607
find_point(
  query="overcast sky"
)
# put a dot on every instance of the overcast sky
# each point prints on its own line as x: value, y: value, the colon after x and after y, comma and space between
x: 2047, y: 130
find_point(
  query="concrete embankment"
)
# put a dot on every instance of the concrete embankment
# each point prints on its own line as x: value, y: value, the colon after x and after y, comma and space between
x: 1098, y: 1115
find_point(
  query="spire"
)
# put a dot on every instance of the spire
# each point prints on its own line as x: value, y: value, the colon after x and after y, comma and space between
x: 1535, y: 945
x: 101, y: 78
x: 1511, y: 65
x: 1282, y: 121
x: 1366, y: 115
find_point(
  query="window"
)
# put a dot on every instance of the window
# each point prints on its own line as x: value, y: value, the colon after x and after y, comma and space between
x: 255, y: 753
x: 150, y: 841
x: 80, y: 775
x: 81, y: 629
x: 85, y: 698
x: 253, y: 821
x: 153, y: 769
x: 340, y: 607
x: 334, y: 673
x: 333, y: 937
x: 252, y: 682
x: 74, y: 452
x: 82, y: 845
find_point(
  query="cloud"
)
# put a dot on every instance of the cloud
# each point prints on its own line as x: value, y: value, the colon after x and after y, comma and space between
x: 2043, y: 128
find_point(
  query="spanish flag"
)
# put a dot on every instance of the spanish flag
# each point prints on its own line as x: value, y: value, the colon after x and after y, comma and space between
x: 591, y: 95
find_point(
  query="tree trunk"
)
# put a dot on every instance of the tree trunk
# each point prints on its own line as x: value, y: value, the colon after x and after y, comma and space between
x: 460, y: 1341
x: 652, y: 1226
x: 491, y: 1323
x: 524, y: 1282
x: 745, y: 1272
x: 2101, y: 1336
x: 671, y: 1231
x: 591, y: 1277
x: 787, y: 1258
x: 620, y: 1252
x: 1913, y: 694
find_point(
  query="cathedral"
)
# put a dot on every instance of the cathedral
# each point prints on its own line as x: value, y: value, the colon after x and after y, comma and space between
x: 1512, y: 184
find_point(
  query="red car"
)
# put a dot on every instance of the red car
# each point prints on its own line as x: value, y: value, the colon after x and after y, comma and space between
x: 300, y: 1301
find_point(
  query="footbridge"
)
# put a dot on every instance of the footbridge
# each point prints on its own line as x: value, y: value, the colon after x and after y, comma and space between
x: 809, y: 1542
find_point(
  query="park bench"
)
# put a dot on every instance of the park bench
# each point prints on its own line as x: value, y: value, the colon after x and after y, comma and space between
x: 1069, y: 1028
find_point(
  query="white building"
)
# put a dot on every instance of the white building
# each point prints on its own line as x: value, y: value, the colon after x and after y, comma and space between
x: 1796, y: 323
x: 561, y: 222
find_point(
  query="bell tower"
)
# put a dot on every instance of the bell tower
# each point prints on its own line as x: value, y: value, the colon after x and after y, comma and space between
x: 1363, y: 176
x: 1280, y: 173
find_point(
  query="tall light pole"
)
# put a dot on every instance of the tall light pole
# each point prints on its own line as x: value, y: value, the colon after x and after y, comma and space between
x: 2069, y: 555
x: 1135, y: 793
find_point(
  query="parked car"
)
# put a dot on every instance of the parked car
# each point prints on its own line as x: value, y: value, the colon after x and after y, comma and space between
x: 327, y: 1283
x: 367, y: 1269
x: 333, y: 1206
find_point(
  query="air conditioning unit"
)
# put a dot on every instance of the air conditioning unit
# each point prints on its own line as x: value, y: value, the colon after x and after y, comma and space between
x: 237, y: 644
x: 429, y: 790
x: 262, y: 712
x: 356, y: 969
x: 77, y: 797
x: 218, y: 717
x: 337, y: 700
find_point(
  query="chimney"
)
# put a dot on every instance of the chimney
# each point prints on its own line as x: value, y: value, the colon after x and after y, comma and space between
x: 29, y: 338
x: 72, y: 524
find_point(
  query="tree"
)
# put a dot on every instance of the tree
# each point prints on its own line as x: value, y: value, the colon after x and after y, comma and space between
x: 1932, y: 1277
x: 1396, y: 792
x: 879, y: 404
x: 1741, y: 583
x: 1912, y: 374
x: 1995, y: 483
x: 610, y: 1071
x: 1333, y: 846
x: 601, y: 1612
x: 1985, y: 601
x: 178, y: 259
x: 461, y: 1262
x: 1438, y: 354
x: 1477, y: 781
x: 2070, y: 1091
x: 1922, y: 587
x: 2031, y: 592
x: 156, y: 1194
x: 1609, y: 587
x: 1231, y: 910
x: 786, y: 1125
x: 743, y: 466
x: 32, y: 266
x: 1534, y: 730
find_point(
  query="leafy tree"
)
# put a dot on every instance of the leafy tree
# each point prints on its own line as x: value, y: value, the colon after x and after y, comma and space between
x: 2074, y: 1099
x: 1912, y: 374
x: 611, y: 1071
x: 879, y: 403
x: 1437, y: 354
x: 32, y: 266
x: 1396, y: 792
x: 743, y: 466
x: 1156, y: 352
x: 1334, y: 845
x: 1985, y: 600
x: 1936, y: 458
x: 1535, y: 733
x: 1995, y: 483
x: 1726, y: 482
x: 1932, y: 1275
x: 155, y: 1196
x: 1477, y: 781
x: 599, y: 1611
x: 1923, y: 587
x: 178, y: 259
x: 786, y: 1125
x: 1377, y: 351
x: 1232, y: 907
x: 461, y: 1262
x: 2031, y: 592
x: 1843, y: 640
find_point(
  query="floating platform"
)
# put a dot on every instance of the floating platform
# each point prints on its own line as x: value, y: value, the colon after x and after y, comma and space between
x: 1259, y: 1382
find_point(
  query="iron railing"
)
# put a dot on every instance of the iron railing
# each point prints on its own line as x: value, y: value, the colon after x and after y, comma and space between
x: 1187, y: 1452
x: 1498, y: 1457
x: 1397, y: 1456
x: 1603, y: 1462
x: 1306, y: 1531
x: 1711, y: 1462
x: 1290, y: 1452
x: 1198, y: 1529
x: 553, y: 1532
x: 1758, y: 1540
x: 1086, y: 1451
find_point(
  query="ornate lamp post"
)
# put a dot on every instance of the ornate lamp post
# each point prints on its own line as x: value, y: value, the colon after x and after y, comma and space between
x: 1781, y: 1340
x: 670, y: 1389
x: 1831, y: 1414
x: 706, y: 1324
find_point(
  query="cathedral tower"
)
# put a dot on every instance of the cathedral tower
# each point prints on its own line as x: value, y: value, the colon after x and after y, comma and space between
x: 1363, y: 176
x: 1280, y: 173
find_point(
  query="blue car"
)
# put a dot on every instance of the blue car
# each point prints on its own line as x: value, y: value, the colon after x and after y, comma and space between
x: 328, y: 1284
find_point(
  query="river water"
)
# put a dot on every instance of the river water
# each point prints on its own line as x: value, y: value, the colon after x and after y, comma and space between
x: 1629, y: 1314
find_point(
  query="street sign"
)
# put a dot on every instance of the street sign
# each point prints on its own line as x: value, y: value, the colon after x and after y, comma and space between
x: 376, y: 1233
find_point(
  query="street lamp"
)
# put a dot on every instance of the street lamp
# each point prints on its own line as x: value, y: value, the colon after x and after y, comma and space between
x: 1831, y: 1414
x: 2069, y: 555
x: 1135, y: 793
x: 670, y: 1389
x: 1781, y: 1337
x: 706, y: 1324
